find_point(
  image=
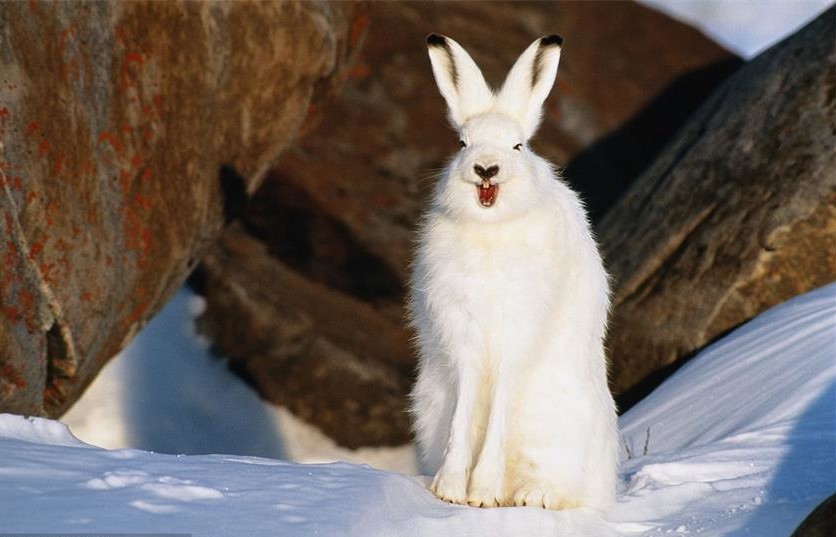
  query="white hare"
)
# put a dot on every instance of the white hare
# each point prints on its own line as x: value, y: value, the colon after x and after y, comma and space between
x: 509, y: 299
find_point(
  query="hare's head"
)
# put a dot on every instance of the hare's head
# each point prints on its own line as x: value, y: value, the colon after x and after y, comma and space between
x: 495, y: 175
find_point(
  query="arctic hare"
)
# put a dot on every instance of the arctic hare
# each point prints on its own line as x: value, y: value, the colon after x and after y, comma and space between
x: 509, y: 299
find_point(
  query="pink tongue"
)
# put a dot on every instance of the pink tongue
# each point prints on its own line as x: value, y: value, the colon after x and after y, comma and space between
x: 487, y: 195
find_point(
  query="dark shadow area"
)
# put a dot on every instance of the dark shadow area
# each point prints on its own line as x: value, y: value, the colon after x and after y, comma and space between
x: 305, y: 238
x: 180, y: 399
x: 605, y: 169
x: 234, y: 192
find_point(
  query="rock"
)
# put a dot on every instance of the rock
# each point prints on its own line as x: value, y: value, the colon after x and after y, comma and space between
x: 336, y: 217
x: 128, y: 129
x: 737, y: 214
x: 307, y: 346
x: 821, y: 522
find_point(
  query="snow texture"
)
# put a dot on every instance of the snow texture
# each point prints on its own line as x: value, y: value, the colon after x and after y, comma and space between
x: 740, y: 441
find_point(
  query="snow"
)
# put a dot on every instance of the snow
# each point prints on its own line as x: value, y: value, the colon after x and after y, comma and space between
x: 747, y: 27
x: 740, y: 441
x: 167, y: 393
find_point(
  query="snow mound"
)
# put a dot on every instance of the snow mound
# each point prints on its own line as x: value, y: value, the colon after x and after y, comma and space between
x: 741, y: 441
x: 37, y: 430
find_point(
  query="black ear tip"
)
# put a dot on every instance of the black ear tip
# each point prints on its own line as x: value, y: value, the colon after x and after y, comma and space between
x: 435, y: 40
x: 553, y: 40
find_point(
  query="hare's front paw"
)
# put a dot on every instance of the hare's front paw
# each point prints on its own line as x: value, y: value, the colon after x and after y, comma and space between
x: 450, y: 485
x: 534, y: 495
x: 485, y: 487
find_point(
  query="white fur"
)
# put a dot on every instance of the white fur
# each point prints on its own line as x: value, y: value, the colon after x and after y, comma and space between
x: 510, y: 302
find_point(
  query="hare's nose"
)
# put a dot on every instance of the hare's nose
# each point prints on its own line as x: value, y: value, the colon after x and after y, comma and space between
x: 486, y: 173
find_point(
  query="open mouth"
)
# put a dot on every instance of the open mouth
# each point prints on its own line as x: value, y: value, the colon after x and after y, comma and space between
x: 487, y: 193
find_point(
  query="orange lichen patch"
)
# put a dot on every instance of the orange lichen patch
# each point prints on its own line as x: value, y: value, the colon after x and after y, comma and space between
x: 9, y: 263
x: 62, y: 39
x: 12, y: 376
x: 146, y: 240
x: 32, y: 128
x: 4, y: 113
x: 89, y: 216
x: 26, y: 301
x: 131, y: 58
x: 125, y: 180
x: 86, y: 296
x: 159, y: 102
x: 35, y: 249
x: 59, y: 162
x: 360, y: 23
x: 47, y: 271
x: 64, y: 262
x: 143, y: 202
x: 43, y: 148
x: 114, y: 142
x: 11, y: 313
x: 137, y: 235
x: 50, y: 210
x: 136, y: 161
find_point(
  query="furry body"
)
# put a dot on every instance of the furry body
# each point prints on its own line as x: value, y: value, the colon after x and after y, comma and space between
x: 511, y: 405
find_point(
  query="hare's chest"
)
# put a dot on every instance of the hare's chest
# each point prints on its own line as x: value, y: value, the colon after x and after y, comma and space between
x: 484, y: 275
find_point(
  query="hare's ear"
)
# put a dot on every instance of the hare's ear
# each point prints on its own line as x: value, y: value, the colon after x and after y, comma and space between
x: 459, y: 79
x: 530, y: 81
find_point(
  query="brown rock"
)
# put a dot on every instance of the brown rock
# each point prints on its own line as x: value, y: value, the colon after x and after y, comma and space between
x: 337, y: 216
x: 312, y: 348
x: 121, y: 124
x: 738, y: 213
x: 821, y: 522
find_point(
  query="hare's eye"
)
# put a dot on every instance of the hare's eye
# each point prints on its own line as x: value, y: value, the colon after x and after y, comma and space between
x: 518, y: 147
x: 462, y: 144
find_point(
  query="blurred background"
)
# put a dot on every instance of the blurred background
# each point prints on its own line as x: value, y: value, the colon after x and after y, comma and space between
x: 279, y: 155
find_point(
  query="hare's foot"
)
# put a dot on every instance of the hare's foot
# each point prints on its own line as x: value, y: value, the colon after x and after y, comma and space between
x: 537, y: 495
x: 486, y: 489
x: 450, y: 485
